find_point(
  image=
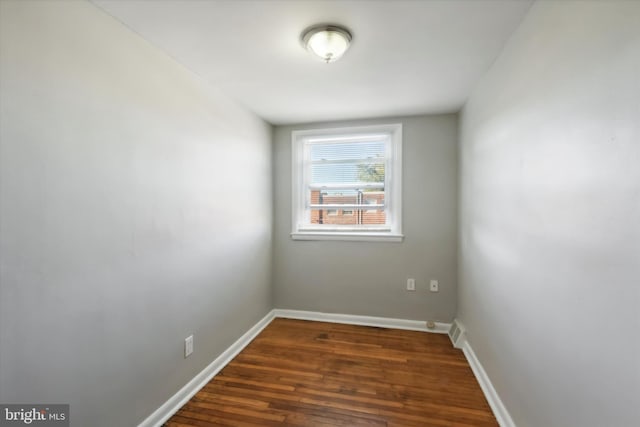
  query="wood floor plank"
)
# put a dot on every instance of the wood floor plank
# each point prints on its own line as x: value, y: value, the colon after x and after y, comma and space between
x: 303, y: 373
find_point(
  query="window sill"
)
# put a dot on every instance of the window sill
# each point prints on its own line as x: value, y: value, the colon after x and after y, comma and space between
x: 347, y: 236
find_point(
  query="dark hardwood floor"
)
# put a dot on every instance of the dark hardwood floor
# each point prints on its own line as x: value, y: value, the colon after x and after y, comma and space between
x: 302, y: 373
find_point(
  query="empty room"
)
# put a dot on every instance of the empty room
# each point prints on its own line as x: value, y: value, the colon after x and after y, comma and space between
x: 320, y: 213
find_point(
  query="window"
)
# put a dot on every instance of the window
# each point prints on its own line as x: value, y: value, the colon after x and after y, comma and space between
x: 347, y: 183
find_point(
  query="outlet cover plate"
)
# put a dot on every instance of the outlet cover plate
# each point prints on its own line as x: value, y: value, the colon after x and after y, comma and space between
x: 188, y: 346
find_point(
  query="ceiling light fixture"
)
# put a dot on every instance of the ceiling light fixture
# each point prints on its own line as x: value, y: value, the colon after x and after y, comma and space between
x: 329, y: 42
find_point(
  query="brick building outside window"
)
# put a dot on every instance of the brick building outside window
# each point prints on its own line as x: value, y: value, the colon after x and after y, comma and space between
x: 348, y: 216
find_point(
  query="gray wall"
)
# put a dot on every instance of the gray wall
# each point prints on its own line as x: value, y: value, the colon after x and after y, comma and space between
x: 125, y: 225
x: 368, y: 278
x: 550, y: 217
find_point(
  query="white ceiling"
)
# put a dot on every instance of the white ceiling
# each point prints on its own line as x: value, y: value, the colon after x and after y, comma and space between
x: 407, y: 57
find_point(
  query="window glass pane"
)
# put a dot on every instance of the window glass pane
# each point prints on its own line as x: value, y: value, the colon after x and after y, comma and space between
x: 357, y: 211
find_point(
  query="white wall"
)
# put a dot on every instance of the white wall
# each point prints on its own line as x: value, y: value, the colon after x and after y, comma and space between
x: 128, y: 192
x: 367, y: 278
x: 550, y: 217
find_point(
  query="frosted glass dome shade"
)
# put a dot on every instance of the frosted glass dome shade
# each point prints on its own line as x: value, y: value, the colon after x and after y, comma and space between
x: 328, y: 42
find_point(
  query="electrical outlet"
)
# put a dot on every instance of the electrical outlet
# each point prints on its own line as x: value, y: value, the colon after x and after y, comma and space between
x: 411, y: 284
x: 188, y: 346
x: 433, y: 286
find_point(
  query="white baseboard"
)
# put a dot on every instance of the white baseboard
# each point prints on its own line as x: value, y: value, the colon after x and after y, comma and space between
x: 498, y: 408
x: 380, y: 322
x: 175, y: 402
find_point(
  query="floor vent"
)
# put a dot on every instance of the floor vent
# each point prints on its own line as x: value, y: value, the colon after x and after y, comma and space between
x: 456, y: 334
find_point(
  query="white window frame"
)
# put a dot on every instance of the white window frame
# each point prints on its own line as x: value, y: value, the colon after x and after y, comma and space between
x: 392, y: 231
